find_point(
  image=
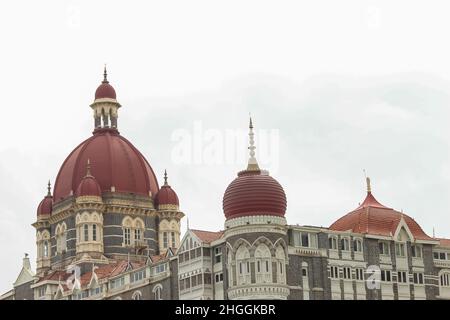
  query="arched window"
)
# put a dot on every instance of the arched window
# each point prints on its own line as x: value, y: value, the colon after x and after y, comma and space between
x: 46, y: 251
x: 137, y: 295
x: 243, y: 265
x: 85, y: 232
x: 263, y: 263
x: 157, y: 291
x: 281, y: 259
x: 94, y: 232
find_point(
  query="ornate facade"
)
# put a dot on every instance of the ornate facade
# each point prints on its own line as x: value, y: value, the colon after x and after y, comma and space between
x: 109, y: 231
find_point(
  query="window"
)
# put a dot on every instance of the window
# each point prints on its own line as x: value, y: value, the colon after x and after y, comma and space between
x: 219, y: 277
x: 347, y: 273
x: 137, y: 295
x: 41, y: 292
x: 359, y: 272
x: 416, y: 251
x: 357, y: 245
x: 418, y: 278
x: 207, y: 278
x: 305, y: 239
x: 157, y: 292
x: 384, y: 248
x: 444, y: 280
x: 402, y: 277
x: 217, y: 255
x: 345, y: 244
x: 126, y: 236
x: 165, y: 240
x: 439, y: 255
x: 94, y: 232
x: 172, y: 237
x: 137, y: 276
x: 304, y: 272
x: 117, y: 283
x: 137, y: 235
x: 386, y: 275
x: 45, y: 249
x: 96, y: 291
x: 334, y: 272
x: 400, y: 249
x: 86, y: 232
x: 160, y: 268
x: 333, y: 243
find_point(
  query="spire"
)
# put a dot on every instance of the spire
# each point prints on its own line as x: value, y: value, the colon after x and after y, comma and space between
x: 165, y: 178
x: 49, y: 187
x: 252, y: 163
x: 105, y: 75
x: 369, y: 188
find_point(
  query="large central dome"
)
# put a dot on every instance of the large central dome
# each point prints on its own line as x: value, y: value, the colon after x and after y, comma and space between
x: 115, y: 163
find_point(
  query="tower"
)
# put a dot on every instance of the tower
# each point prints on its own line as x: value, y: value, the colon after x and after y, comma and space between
x: 254, y: 205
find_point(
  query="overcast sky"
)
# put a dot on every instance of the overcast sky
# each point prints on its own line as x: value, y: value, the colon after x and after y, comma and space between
x: 333, y: 88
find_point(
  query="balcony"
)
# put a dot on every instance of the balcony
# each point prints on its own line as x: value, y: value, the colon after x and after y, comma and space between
x: 273, y: 291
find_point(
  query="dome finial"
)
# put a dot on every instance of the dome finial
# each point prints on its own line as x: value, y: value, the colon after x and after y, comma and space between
x: 369, y: 188
x: 252, y: 163
x: 105, y: 75
x: 165, y: 177
x: 49, y: 187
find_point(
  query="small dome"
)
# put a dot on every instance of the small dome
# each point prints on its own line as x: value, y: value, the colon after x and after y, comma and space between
x: 45, y: 206
x: 166, y: 195
x: 105, y: 90
x: 88, y: 187
x: 254, y: 192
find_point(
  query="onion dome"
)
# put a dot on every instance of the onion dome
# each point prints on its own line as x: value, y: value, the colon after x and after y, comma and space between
x: 371, y: 217
x: 88, y: 185
x: 166, y: 197
x: 46, y: 205
x: 254, y: 192
x: 105, y: 90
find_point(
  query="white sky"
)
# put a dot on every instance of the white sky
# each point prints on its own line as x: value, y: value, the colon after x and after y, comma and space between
x: 346, y: 84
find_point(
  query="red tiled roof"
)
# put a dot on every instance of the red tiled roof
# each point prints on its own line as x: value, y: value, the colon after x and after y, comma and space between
x: 371, y: 217
x: 207, y: 236
x: 443, y: 242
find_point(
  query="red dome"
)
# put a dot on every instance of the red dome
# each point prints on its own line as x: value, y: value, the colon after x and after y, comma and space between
x: 105, y: 90
x: 254, y: 193
x: 115, y: 162
x: 371, y: 217
x: 166, y: 195
x: 45, y: 206
x: 89, y: 187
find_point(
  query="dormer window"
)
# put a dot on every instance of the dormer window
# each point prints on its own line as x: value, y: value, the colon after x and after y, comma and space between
x: 400, y: 249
